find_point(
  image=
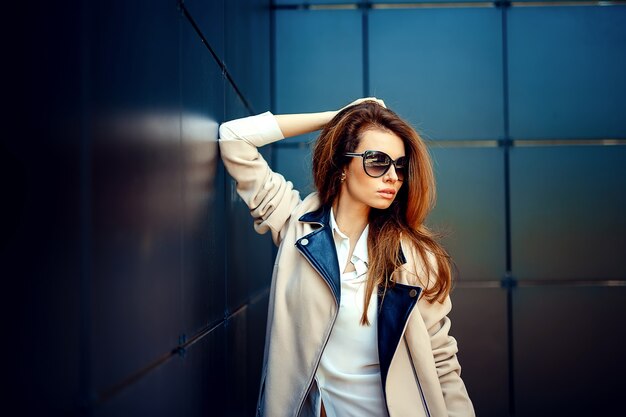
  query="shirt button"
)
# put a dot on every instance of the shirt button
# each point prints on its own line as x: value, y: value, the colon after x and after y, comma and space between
x: 412, y: 293
x: 304, y: 242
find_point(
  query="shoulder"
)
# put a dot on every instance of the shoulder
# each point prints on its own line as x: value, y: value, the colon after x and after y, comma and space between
x: 310, y: 203
x: 415, y: 268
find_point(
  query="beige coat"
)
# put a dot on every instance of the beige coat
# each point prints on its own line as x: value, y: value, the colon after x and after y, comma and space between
x: 419, y: 368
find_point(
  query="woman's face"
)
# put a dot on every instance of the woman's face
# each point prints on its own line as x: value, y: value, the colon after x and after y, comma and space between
x: 361, y: 189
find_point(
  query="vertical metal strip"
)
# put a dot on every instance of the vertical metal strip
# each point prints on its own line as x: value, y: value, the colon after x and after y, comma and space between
x: 507, y: 135
x: 365, y: 9
x: 508, y: 281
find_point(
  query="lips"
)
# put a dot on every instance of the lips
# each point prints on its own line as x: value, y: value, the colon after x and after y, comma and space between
x: 388, y: 193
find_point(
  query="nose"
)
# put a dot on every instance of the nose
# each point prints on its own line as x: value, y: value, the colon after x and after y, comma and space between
x: 391, y: 175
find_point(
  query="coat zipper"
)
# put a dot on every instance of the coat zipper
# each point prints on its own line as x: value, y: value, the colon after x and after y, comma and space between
x: 319, y: 357
x: 419, y: 385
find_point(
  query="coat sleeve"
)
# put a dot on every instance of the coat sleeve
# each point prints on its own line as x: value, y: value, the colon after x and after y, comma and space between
x: 444, y: 348
x: 269, y: 196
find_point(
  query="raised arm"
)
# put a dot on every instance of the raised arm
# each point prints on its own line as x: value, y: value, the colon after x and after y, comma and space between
x: 299, y: 124
x: 269, y: 196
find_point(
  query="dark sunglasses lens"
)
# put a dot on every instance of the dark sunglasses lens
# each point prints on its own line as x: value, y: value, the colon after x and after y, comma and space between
x: 401, y: 167
x: 376, y: 163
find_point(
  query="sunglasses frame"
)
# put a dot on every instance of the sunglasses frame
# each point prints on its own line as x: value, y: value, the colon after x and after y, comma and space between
x: 362, y: 155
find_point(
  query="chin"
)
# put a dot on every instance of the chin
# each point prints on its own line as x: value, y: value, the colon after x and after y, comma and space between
x: 381, y: 205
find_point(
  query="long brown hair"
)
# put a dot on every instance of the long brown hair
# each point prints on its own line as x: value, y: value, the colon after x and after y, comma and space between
x: 405, y: 217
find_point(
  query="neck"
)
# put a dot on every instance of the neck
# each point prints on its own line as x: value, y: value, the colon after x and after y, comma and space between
x: 351, y: 218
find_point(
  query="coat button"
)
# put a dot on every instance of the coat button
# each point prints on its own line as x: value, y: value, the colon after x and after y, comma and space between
x: 304, y: 242
x: 412, y: 293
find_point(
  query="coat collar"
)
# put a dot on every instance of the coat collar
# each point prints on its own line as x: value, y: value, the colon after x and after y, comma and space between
x: 320, y: 216
x: 319, y: 248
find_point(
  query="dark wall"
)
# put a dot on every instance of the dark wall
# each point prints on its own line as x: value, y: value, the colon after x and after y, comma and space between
x: 137, y: 285
x: 522, y: 106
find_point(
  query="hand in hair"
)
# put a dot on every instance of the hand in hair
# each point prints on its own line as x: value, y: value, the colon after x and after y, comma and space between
x: 298, y: 124
x: 361, y: 100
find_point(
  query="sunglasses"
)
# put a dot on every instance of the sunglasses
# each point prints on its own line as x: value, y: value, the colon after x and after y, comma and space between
x: 377, y: 163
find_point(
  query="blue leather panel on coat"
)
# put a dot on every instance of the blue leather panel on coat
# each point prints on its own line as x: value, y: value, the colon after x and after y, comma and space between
x: 319, y: 248
x: 396, y: 307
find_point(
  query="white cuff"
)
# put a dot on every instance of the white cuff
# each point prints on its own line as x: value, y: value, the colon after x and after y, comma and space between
x: 258, y: 130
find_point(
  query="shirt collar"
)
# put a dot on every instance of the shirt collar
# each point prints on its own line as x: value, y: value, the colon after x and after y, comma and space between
x: 360, y: 250
x: 334, y: 227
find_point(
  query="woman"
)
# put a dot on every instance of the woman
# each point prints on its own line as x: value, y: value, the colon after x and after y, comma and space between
x: 357, y: 321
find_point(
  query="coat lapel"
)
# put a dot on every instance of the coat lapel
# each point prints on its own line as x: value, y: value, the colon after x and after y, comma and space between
x: 318, y: 247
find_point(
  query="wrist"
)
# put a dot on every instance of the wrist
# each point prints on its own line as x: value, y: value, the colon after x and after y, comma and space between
x: 327, y: 116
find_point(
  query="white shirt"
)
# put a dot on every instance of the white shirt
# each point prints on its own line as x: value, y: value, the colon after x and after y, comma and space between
x: 348, y: 375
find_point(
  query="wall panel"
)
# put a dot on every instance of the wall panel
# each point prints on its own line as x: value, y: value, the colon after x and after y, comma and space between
x: 43, y: 218
x: 203, y: 229
x: 247, y: 52
x: 295, y: 164
x: 566, y: 67
x: 209, y: 16
x: 236, y: 399
x: 479, y: 324
x: 137, y: 205
x: 319, y: 59
x: 440, y: 68
x: 187, y: 385
x: 567, y: 206
x: 568, y: 350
